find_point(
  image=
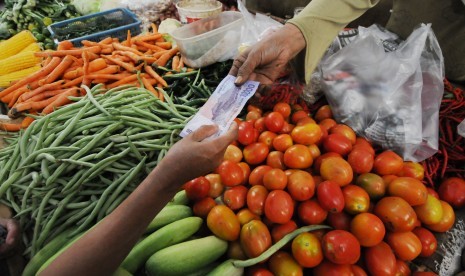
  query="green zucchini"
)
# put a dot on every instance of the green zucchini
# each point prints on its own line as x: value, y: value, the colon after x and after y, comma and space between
x: 186, y: 257
x: 168, y: 235
x: 180, y: 198
x: 168, y: 215
x: 121, y: 272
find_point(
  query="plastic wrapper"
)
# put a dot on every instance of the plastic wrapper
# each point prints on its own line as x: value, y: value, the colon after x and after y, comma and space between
x: 389, y: 93
x: 461, y: 128
x: 148, y: 11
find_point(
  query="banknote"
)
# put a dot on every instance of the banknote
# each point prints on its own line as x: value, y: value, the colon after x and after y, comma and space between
x: 223, y: 106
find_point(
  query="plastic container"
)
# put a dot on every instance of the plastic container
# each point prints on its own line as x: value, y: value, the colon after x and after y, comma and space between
x: 121, y: 19
x: 210, y: 40
x: 193, y: 10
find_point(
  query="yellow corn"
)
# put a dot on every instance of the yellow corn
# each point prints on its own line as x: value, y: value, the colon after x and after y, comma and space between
x: 33, y: 47
x: 15, y: 44
x: 18, y: 62
x: 6, y: 80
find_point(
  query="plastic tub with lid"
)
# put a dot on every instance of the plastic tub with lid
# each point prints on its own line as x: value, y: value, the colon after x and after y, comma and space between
x: 193, y: 10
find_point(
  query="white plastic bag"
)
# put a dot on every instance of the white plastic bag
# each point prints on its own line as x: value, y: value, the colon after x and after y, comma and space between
x: 389, y: 95
x: 148, y: 11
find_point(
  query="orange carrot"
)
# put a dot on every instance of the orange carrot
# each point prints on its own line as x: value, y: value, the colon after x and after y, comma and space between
x: 58, y: 71
x: 128, y: 38
x: 123, y: 64
x: 165, y: 57
x: 154, y: 28
x: 106, y: 41
x: 126, y: 48
x: 110, y: 69
x: 74, y: 52
x: 134, y: 57
x: 160, y: 95
x: 95, y: 65
x: 46, y: 61
x: 65, y: 45
x: 49, y: 86
x: 16, y: 95
x: 181, y: 64
x: 93, y: 56
x: 149, y: 87
x: 10, y: 127
x: 77, y: 81
x: 175, y: 63
x: 96, y: 81
x: 61, y: 100
x: 106, y: 76
x: 165, y: 45
x: 149, y: 46
x: 148, y: 37
x: 33, y: 85
x: 89, y: 43
x: 45, y: 95
x: 85, y: 68
x: 149, y: 70
x: 27, y: 121
x: 16, y: 110
x: 125, y: 80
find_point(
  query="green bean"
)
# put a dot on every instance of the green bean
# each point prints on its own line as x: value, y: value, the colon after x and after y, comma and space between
x: 95, y: 103
x: 84, y: 125
x: 179, y: 75
x: 44, y: 168
x: 120, y: 139
x: 33, y: 155
x: 10, y: 197
x: 105, y: 150
x: 76, y: 162
x: 39, y: 218
x: 72, y: 181
x: 69, y: 126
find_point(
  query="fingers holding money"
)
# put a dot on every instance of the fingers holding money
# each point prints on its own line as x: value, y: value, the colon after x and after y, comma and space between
x: 203, y: 132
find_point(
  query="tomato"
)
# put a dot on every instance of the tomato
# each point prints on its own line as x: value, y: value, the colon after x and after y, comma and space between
x: 255, y: 238
x: 282, y: 263
x: 287, y: 128
x: 231, y: 173
x: 323, y: 112
x: 245, y: 215
x: 327, y: 268
x: 282, y: 142
x: 235, y: 251
x: 380, y: 260
x: 256, y: 153
x: 424, y: 273
x: 300, y: 185
x: 267, y: 137
x: 340, y: 221
x: 317, y: 179
x: 341, y: 247
x: 279, y: 206
x: 396, y: 213
x: 447, y: 220
x: 306, y: 250
x: 274, y: 121
x: 368, y: 229
x: 373, y: 184
x: 432, y: 192
x: 307, y: 134
x: 388, y: 178
x: 310, y: 212
x: 452, y: 190
x: 356, y: 200
x: 278, y: 231
x: 223, y: 223
x: 429, y: 244
x: 304, y: 121
x: 314, y: 151
x: 245, y: 133
x: 275, y: 159
x: 298, y: 157
x: 252, y: 107
x: 246, y: 171
x: 202, y: 207
x: 197, y: 188
x: 413, y: 169
x: 258, y: 271
x: 337, y: 143
x: 406, y: 245
x: 319, y: 159
x: 256, y: 197
x: 410, y: 189
x: 296, y: 116
x: 330, y: 196
x: 361, y: 160
x: 327, y: 124
x: 402, y: 268
x: 388, y: 162
x: 358, y: 271
x: 283, y: 108
x: 259, y: 125
x: 253, y: 116
x: 360, y: 141
x: 216, y: 187
x: 256, y: 176
x: 344, y: 130
x: 336, y: 169
x: 275, y: 179
x: 235, y: 197
x: 431, y: 212
x: 233, y: 153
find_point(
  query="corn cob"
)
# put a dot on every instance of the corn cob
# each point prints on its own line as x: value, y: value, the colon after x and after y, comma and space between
x: 6, y: 80
x: 34, y: 47
x: 15, y: 44
x: 18, y: 62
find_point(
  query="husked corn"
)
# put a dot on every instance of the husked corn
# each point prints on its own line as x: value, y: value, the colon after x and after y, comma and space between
x: 6, y: 80
x: 18, y: 62
x: 33, y: 47
x: 15, y: 44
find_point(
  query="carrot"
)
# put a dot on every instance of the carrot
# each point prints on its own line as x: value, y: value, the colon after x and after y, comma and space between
x: 165, y: 45
x: 49, y: 86
x: 149, y: 46
x: 154, y: 28
x: 75, y: 82
x: 125, y: 80
x: 106, y: 41
x: 149, y: 70
x: 89, y: 43
x: 110, y: 69
x: 85, y: 68
x: 143, y: 49
x: 95, y: 65
x: 151, y: 37
x: 134, y: 57
x: 128, y: 38
x: 181, y: 64
x: 106, y: 76
x: 106, y: 51
x: 33, y: 85
x: 126, y: 48
x: 165, y: 57
x: 61, y: 100
x: 10, y: 127
x: 149, y: 87
x: 65, y: 45
x: 27, y: 121
x: 46, y: 61
x: 16, y: 95
x: 46, y: 94
x: 58, y: 71
x: 93, y: 56
x: 175, y: 63
x: 96, y: 81
x: 74, y: 52
x: 123, y: 64
x: 37, y: 75
x: 160, y: 95
x: 16, y: 111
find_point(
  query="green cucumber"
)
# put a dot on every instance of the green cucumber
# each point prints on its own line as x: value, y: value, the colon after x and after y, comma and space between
x: 168, y: 235
x: 121, y: 272
x: 186, y: 257
x: 180, y: 198
x: 167, y: 215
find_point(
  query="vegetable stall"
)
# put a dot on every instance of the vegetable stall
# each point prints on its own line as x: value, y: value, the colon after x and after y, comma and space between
x: 298, y: 193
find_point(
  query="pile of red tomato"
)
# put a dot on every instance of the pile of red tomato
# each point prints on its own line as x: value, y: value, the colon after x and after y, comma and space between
x: 288, y: 169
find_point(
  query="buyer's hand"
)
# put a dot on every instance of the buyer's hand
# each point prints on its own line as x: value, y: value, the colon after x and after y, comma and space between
x: 265, y: 60
x: 12, y: 239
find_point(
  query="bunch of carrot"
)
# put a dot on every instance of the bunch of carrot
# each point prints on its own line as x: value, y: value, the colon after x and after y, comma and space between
x: 109, y: 62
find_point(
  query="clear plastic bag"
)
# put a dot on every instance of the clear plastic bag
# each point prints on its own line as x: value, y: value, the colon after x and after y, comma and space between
x: 148, y: 11
x: 461, y: 128
x: 389, y: 95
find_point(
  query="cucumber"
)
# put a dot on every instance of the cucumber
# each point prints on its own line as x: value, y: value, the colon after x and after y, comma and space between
x: 168, y: 235
x: 121, y: 272
x: 180, y: 198
x: 186, y: 257
x: 168, y: 215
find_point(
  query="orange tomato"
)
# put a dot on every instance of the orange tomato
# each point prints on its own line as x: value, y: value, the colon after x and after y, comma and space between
x: 341, y: 247
x: 235, y: 197
x: 336, y: 169
x: 222, y: 221
x: 256, y: 176
x: 428, y: 241
x: 282, y: 142
x: 306, y: 250
x: 282, y: 263
x: 216, y: 187
x: 307, y: 134
x: 275, y: 159
x: 246, y: 171
x: 296, y: 116
x: 283, y: 108
x: 327, y: 123
x: 304, y: 121
x: 413, y: 169
x: 202, y: 207
x: 410, y: 189
x: 388, y: 162
x: 337, y: 143
x: 406, y: 245
x: 256, y: 197
x: 260, y: 125
x: 245, y: 215
x: 253, y: 115
x: 368, y: 229
x: 267, y: 137
x: 300, y: 185
x: 327, y: 268
x: 402, y: 268
x: 279, y: 206
x: 323, y: 112
x: 256, y: 153
x: 396, y: 213
x: 373, y: 184
x: 315, y: 151
x: 431, y: 212
x: 361, y: 160
x: 274, y: 121
x: 380, y: 260
x: 447, y: 220
x: 231, y: 173
x: 311, y: 212
x: 344, y: 130
x: 356, y: 200
x: 233, y: 153
x: 298, y: 157
x: 278, y: 231
x: 255, y: 238
x: 275, y: 179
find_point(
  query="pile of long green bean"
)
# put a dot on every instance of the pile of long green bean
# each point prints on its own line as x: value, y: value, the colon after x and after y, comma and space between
x: 74, y: 166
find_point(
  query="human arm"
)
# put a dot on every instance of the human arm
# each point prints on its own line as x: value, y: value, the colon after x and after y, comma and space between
x: 101, y: 250
x: 12, y: 237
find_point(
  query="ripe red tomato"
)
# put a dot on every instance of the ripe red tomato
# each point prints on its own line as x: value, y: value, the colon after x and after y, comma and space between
x: 327, y: 124
x: 275, y: 159
x: 222, y: 221
x: 336, y: 169
x: 304, y: 121
x: 447, y: 220
x: 402, y: 268
x: 452, y: 190
x: 282, y: 142
x: 356, y: 200
x: 327, y: 268
x: 310, y: 212
x: 319, y: 160
x: 283, y: 108
x: 424, y: 273
x: 306, y: 250
x: 396, y: 213
x: 368, y: 229
x: 235, y: 197
x: 235, y: 251
x: 323, y: 112
x: 358, y: 271
x: 428, y: 241
x: 245, y: 133
x: 258, y: 271
x: 296, y: 116
x: 279, y: 206
x: 340, y: 221
x: 298, y: 157
x: 246, y: 171
x: 275, y: 179
x: 202, y: 207
x: 341, y: 247
x: 216, y: 187
x: 256, y: 197
x: 337, y: 143
x: 287, y: 128
x: 256, y: 176
x: 330, y: 196
x: 274, y: 121
x: 245, y: 215
x: 255, y: 238
x: 388, y: 162
x: 432, y: 192
x: 256, y: 153
x: 361, y: 160
x: 413, y: 169
x: 380, y: 260
x: 300, y: 185
x: 252, y: 107
x: 278, y: 231
x: 260, y: 125
x: 233, y: 153
x: 431, y: 212
x: 231, y: 173
x: 282, y: 263
x: 373, y: 184
x: 410, y: 189
x: 197, y: 188
x: 315, y: 151
x: 307, y: 134
x: 344, y: 130
x: 406, y: 245
x: 253, y: 116
x: 267, y: 137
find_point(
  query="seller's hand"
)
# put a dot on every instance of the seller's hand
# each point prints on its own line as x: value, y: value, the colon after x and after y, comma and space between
x: 12, y: 238
x: 194, y: 156
x: 264, y: 61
